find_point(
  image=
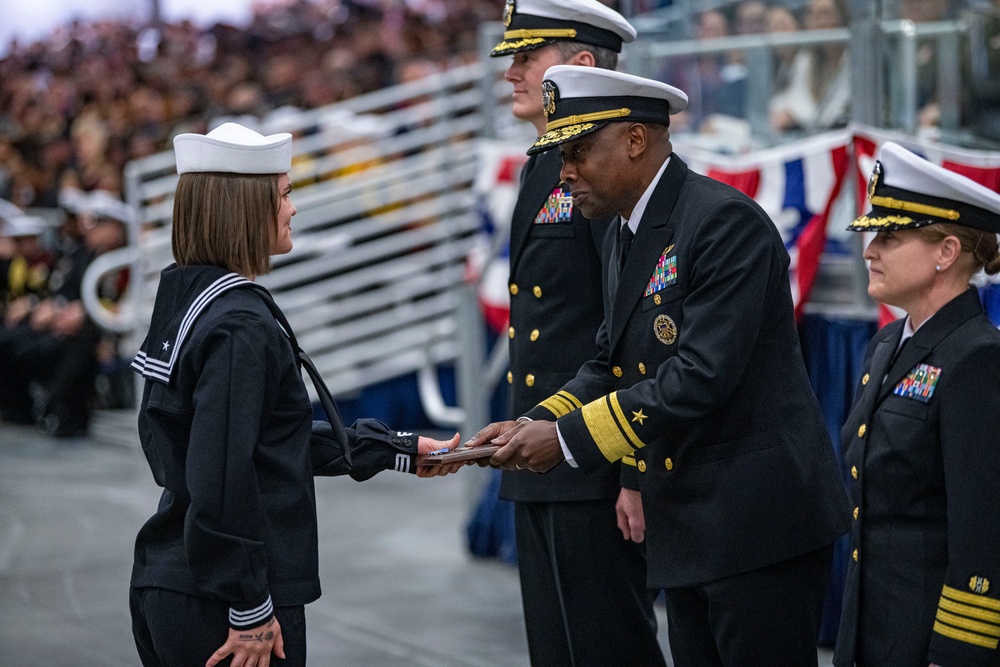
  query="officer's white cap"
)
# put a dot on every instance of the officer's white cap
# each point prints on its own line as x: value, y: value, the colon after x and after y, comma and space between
x: 23, y: 225
x: 234, y: 149
x: 581, y: 100
x: 906, y: 191
x: 531, y: 24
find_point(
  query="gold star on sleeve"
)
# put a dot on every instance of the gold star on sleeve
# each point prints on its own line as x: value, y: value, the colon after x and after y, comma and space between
x: 638, y: 416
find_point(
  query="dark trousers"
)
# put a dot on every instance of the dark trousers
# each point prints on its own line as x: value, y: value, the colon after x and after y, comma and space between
x: 583, y: 587
x: 769, y: 616
x: 174, y: 629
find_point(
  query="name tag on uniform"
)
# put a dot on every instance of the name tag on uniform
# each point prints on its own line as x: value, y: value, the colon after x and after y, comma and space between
x: 665, y: 274
x: 558, y: 208
x: 919, y: 384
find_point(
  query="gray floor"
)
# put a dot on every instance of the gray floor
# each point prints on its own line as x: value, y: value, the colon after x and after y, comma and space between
x: 399, y: 586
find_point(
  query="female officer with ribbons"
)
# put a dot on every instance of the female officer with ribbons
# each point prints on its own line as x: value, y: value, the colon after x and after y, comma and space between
x: 923, y: 438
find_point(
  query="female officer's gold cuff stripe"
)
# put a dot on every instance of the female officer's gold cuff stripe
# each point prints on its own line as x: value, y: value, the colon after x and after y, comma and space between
x: 587, y: 118
x: 914, y: 207
x: 969, y: 610
x: 544, y: 33
x: 963, y: 636
x: 987, y: 629
x: 969, y: 598
x: 609, y: 429
x: 629, y: 460
x: 562, y: 403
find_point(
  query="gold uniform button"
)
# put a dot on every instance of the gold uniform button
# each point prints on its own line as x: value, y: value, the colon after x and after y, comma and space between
x: 861, y: 431
x: 534, y: 334
x: 510, y: 333
x: 617, y: 370
x: 513, y: 288
x: 642, y: 368
x: 510, y: 378
x: 864, y: 380
x: 537, y: 291
x: 529, y: 380
x: 855, y: 555
x: 854, y: 472
x: 857, y: 510
x: 641, y: 465
x: 669, y: 463
x: 657, y: 299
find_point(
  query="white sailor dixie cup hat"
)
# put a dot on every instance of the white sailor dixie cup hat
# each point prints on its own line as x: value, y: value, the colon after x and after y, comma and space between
x: 580, y: 100
x: 532, y: 24
x: 906, y: 192
x: 233, y: 149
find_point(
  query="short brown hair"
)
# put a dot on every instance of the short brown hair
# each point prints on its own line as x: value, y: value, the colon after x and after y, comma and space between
x: 982, y: 245
x: 226, y: 220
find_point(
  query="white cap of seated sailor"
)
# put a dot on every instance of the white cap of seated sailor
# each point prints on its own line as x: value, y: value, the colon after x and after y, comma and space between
x: 580, y: 100
x: 906, y: 191
x: 233, y: 149
x: 532, y: 24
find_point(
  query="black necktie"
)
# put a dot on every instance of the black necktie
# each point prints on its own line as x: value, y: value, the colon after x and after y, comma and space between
x: 625, y: 236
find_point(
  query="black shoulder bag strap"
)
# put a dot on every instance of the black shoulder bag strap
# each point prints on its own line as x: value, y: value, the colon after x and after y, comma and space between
x: 325, y: 397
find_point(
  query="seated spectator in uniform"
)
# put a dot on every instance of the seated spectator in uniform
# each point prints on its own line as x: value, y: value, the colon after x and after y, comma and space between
x: 54, y: 345
x: 24, y: 272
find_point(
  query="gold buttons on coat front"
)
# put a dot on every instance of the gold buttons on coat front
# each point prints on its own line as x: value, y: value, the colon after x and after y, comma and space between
x: 617, y: 370
x: 857, y: 510
x: 510, y: 378
x: 641, y: 465
x: 669, y: 463
x: 642, y: 368
x: 854, y: 472
x: 510, y: 333
x: 855, y: 555
x: 537, y: 291
x: 657, y: 299
x: 861, y: 431
x: 513, y: 288
x: 534, y: 334
x: 529, y: 380
x: 864, y: 380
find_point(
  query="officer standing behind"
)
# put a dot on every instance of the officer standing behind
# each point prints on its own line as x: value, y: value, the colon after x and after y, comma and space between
x: 923, y: 438
x: 699, y: 376
x: 572, y: 558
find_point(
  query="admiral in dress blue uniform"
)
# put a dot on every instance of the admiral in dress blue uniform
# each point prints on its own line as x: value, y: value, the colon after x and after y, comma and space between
x: 699, y: 378
x: 572, y: 558
x: 923, y: 438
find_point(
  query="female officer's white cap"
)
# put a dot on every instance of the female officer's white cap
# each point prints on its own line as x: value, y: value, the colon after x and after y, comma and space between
x: 906, y: 191
x: 233, y: 149
x: 532, y: 24
x: 581, y: 100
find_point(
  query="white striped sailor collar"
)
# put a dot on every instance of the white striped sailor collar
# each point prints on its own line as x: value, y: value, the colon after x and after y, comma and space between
x: 192, y: 292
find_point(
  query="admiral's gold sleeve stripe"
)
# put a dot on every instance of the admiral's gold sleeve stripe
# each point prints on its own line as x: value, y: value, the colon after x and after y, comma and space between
x: 963, y: 636
x: 623, y: 422
x: 968, y: 624
x: 969, y: 598
x: 969, y: 610
x: 605, y: 430
x: 629, y: 460
x: 561, y: 404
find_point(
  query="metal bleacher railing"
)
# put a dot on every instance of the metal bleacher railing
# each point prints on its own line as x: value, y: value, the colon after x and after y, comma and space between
x: 376, y: 284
